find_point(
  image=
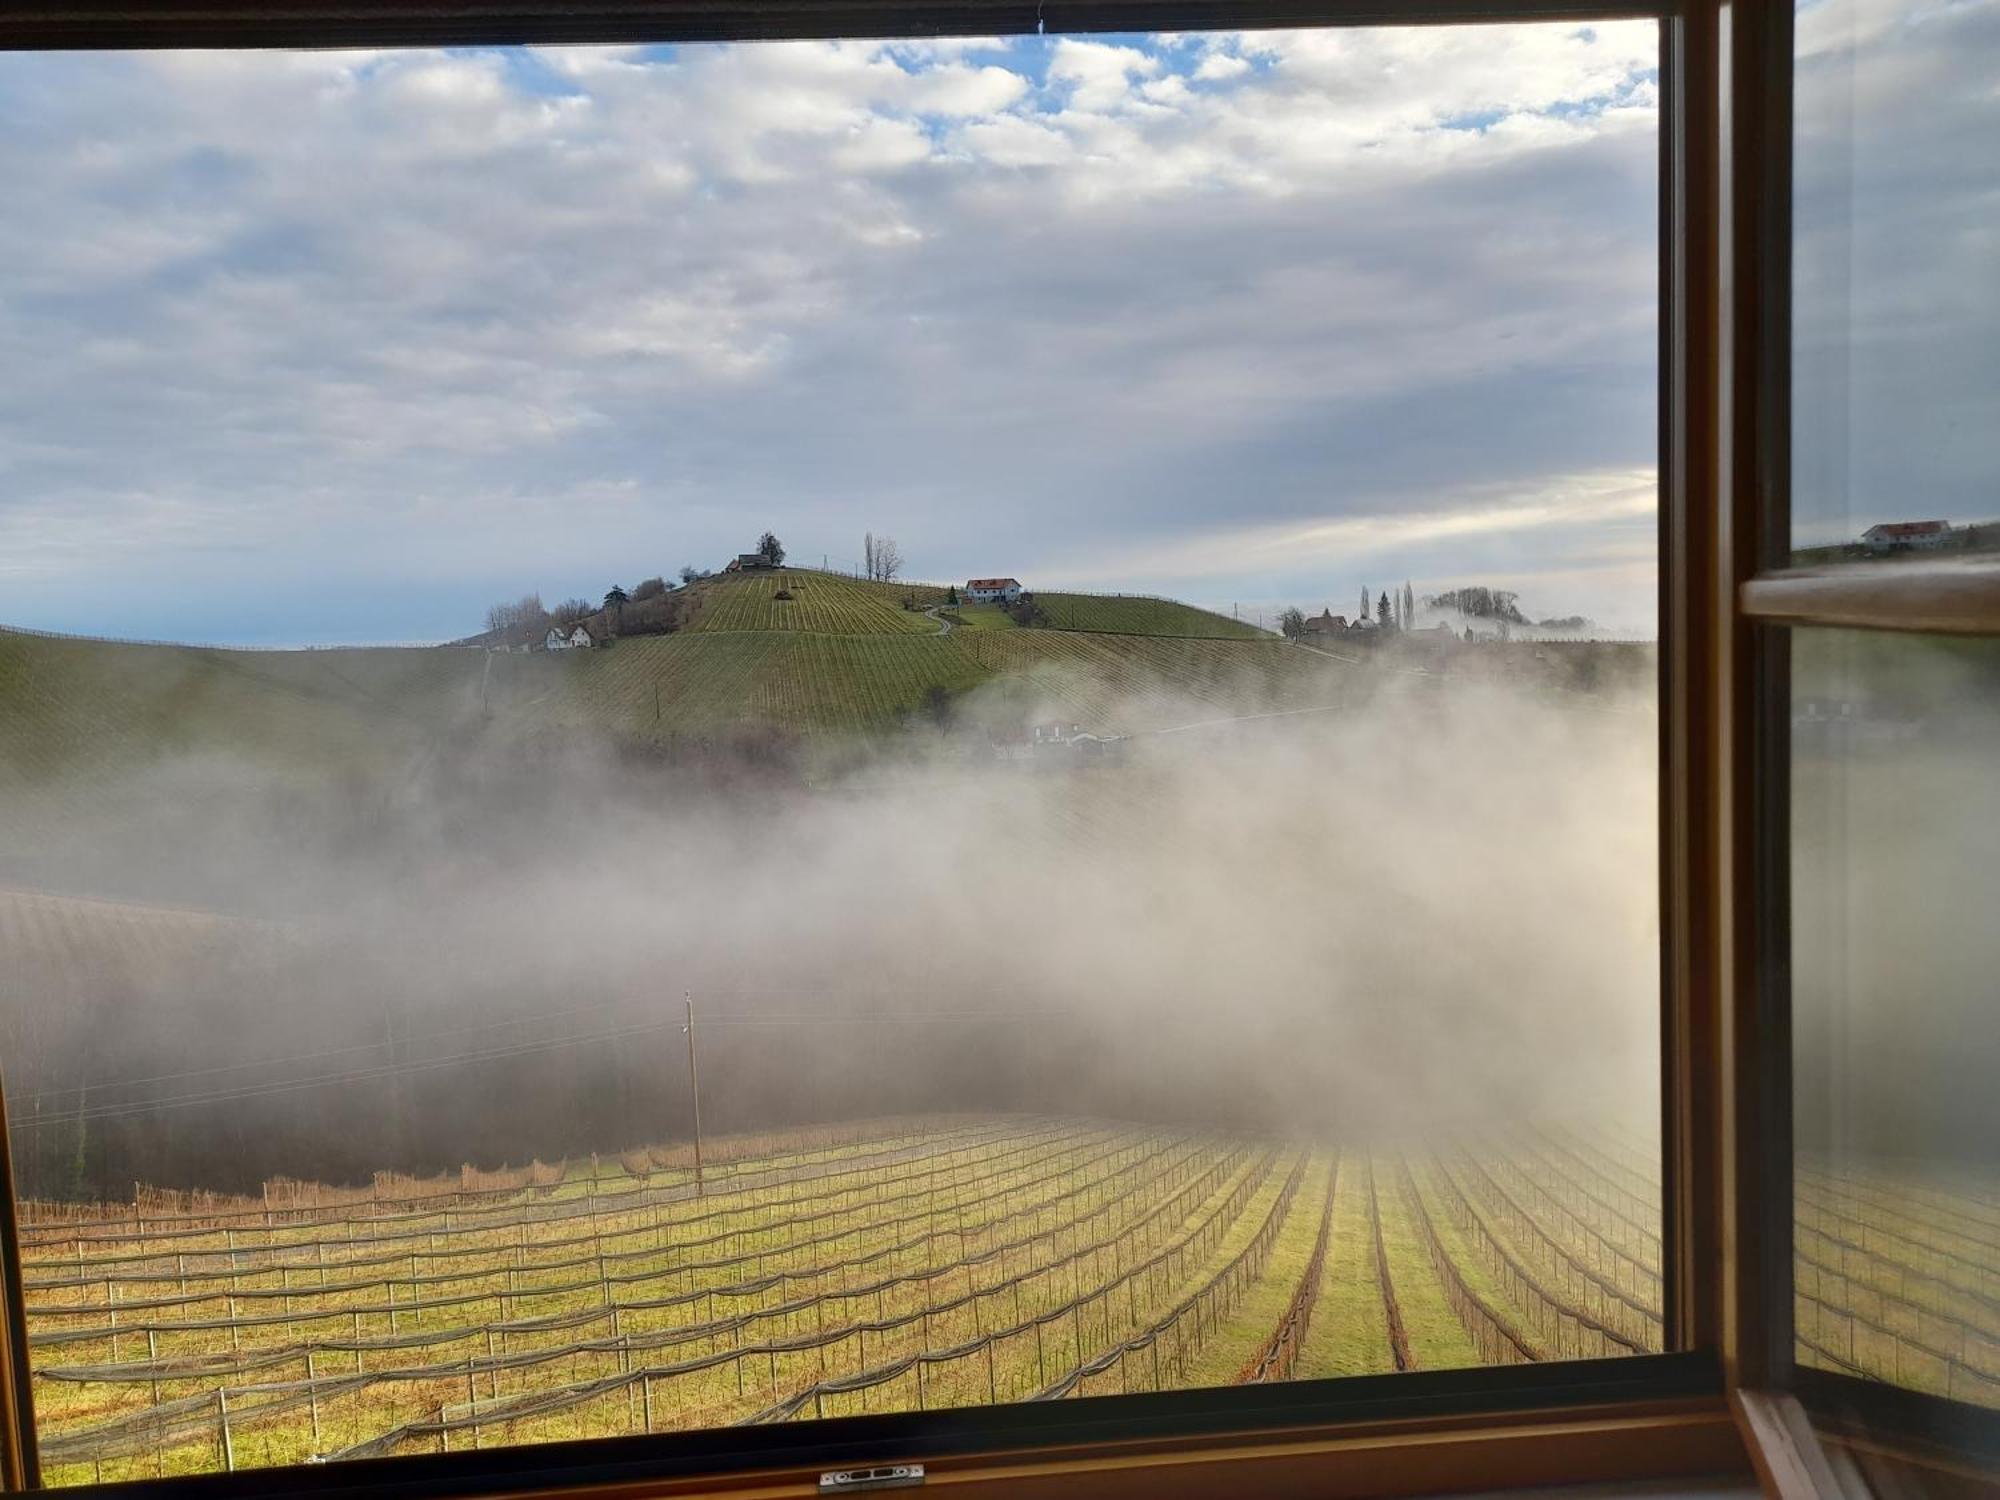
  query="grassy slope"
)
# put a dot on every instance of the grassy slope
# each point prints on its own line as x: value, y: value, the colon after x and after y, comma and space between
x: 1133, y: 615
x: 842, y: 657
x: 1438, y: 1340
x: 821, y: 603
x: 1350, y: 1329
x: 69, y: 707
x: 1258, y: 1315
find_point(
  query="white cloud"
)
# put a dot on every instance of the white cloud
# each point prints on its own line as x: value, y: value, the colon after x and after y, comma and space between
x: 909, y: 286
x: 1100, y: 75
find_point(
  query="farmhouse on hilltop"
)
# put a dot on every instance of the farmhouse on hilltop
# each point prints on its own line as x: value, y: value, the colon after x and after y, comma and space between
x: 1907, y: 536
x: 748, y: 562
x: 987, y: 590
x: 560, y: 640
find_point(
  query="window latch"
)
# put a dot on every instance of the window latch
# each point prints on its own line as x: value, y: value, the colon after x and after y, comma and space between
x: 881, y: 1477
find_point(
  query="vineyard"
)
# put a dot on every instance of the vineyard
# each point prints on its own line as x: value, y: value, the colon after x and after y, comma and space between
x: 808, y: 600
x: 1141, y: 614
x: 907, y: 1264
x: 840, y: 659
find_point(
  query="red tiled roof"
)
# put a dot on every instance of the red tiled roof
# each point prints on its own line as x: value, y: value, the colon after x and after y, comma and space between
x: 993, y: 583
x: 1908, y: 528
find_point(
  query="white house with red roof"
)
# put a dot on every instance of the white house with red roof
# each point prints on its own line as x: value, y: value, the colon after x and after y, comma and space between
x: 1907, y: 536
x: 989, y: 590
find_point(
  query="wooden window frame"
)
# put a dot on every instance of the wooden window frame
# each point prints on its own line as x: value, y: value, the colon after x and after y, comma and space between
x: 1809, y: 1432
x: 1723, y: 363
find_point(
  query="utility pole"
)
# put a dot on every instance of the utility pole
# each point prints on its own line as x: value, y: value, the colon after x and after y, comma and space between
x: 694, y: 1089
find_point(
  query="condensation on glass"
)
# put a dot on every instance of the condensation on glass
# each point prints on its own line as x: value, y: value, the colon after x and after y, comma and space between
x: 1895, y: 862
x: 1896, y: 333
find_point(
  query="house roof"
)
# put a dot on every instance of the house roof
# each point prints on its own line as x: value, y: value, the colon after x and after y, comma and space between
x: 1908, y: 528
x: 992, y: 583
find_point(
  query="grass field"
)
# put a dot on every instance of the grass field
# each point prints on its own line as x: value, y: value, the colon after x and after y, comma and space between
x: 820, y: 604
x: 918, y: 1263
x: 841, y: 660
x: 1117, y: 614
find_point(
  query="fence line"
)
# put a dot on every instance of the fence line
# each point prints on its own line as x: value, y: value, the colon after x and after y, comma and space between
x: 510, y: 1257
x: 472, y: 1201
x: 1399, y: 1338
x: 751, y: 1286
x: 1278, y: 1356
x: 1491, y: 1331
x: 1169, y: 1264
x: 1205, y: 1309
x: 189, y: 1419
x: 548, y: 1209
x: 412, y: 1307
x: 1627, y: 1272
x: 1564, y: 1327
x: 1933, y: 1350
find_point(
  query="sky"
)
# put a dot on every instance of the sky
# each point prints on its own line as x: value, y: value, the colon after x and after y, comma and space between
x: 1896, y: 265
x: 339, y: 346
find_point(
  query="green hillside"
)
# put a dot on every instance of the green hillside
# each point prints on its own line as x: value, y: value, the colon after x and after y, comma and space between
x: 700, y: 684
x: 840, y: 659
x: 1133, y: 614
x: 820, y: 604
x: 77, y: 710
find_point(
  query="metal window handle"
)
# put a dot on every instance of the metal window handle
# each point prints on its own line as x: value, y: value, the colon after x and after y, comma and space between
x: 881, y: 1477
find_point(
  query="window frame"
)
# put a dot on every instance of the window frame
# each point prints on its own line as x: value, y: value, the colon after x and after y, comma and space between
x: 1796, y: 1418
x: 1626, y: 1418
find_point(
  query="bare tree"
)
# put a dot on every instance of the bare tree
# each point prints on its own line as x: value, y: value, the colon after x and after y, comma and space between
x: 521, y: 616
x: 881, y: 559
x: 648, y: 588
x: 1293, y: 623
x: 571, y: 610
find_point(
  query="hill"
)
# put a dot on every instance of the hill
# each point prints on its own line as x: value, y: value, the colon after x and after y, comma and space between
x: 808, y: 601
x: 1141, y: 614
x: 839, y: 657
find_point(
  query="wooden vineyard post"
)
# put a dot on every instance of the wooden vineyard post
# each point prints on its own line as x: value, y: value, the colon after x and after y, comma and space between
x: 646, y: 1388
x: 222, y: 1422
x: 312, y: 1396
x: 493, y: 1367
x: 111, y: 1301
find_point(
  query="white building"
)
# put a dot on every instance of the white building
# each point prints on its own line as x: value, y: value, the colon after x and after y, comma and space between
x: 988, y: 590
x: 1907, y: 536
x: 560, y: 640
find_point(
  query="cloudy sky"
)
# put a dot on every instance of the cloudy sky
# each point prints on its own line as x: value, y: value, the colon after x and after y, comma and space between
x: 1896, y: 271
x: 340, y: 346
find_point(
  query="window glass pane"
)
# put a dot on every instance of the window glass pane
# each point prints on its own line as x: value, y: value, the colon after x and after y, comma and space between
x: 1896, y: 856
x: 1896, y: 341
x: 1060, y: 798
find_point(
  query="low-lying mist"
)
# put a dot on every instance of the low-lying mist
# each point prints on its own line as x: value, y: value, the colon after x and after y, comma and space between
x: 1430, y: 910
